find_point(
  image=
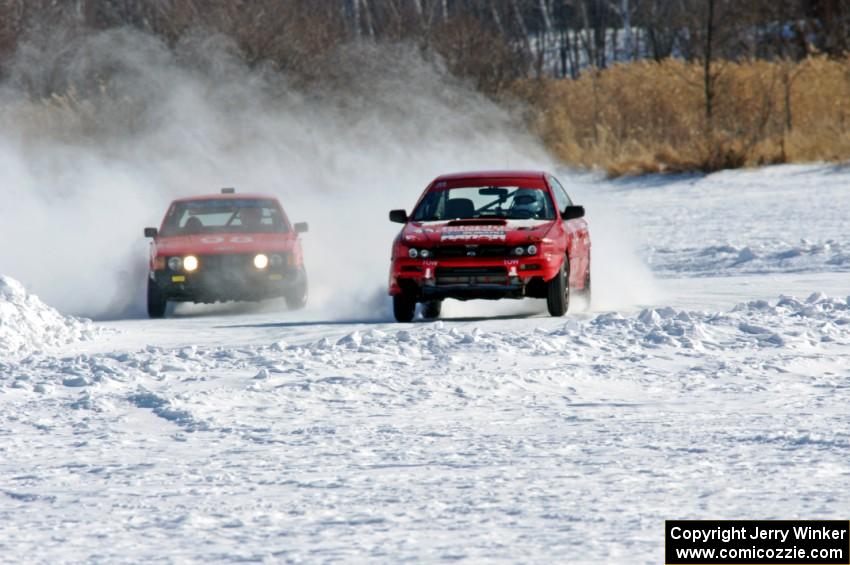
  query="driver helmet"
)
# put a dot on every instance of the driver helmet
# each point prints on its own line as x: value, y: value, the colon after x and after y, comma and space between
x: 251, y: 216
x: 528, y: 202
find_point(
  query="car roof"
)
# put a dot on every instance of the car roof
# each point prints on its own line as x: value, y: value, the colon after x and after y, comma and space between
x: 506, y: 174
x: 233, y: 196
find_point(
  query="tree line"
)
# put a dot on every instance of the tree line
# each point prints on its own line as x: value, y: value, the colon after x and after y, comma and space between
x: 492, y: 41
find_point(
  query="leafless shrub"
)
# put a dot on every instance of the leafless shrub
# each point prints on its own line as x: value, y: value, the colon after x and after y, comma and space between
x: 649, y: 117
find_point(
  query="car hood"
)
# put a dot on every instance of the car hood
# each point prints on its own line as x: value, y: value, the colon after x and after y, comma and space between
x: 223, y: 243
x: 476, y: 232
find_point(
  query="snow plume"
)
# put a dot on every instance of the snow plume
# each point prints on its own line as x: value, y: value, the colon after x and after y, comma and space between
x: 124, y: 124
x: 620, y: 277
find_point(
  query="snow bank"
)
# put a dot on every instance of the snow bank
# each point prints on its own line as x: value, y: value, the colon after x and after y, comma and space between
x: 792, y: 325
x: 27, y: 324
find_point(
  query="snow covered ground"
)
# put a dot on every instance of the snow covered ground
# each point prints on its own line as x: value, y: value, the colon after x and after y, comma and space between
x: 776, y: 220
x: 718, y: 389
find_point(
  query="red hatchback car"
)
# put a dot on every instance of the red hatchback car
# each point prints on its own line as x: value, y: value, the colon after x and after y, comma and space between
x: 225, y: 247
x: 501, y: 234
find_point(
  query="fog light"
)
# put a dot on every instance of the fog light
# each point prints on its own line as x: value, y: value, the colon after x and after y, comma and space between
x: 261, y: 261
x: 190, y: 263
x: 175, y: 263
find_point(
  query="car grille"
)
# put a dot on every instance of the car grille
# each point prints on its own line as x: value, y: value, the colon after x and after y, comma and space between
x: 233, y: 265
x: 452, y: 251
x: 471, y: 275
x: 226, y: 262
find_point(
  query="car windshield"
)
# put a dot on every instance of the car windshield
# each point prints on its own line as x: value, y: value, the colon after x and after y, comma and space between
x: 191, y: 217
x: 466, y: 203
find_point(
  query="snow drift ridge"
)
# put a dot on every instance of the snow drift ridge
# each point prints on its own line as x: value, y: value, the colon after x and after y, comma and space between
x: 27, y: 324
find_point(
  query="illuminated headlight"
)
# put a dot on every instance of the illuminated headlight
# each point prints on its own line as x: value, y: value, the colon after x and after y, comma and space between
x: 532, y: 250
x: 261, y: 261
x: 519, y: 251
x: 175, y: 263
x: 276, y: 260
x: 190, y: 263
x: 412, y: 253
x: 425, y: 253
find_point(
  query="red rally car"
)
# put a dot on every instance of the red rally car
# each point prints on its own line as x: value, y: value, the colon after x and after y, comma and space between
x: 500, y: 234
x: 225, y: 247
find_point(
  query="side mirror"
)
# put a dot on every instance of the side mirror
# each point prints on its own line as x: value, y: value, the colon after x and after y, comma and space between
x: 398, y: 216
x: 572, y: 213
x: 151, y: 232
x: 301, y: 227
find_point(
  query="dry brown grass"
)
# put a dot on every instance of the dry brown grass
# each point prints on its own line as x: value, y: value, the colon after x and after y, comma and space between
x: 648, y: 117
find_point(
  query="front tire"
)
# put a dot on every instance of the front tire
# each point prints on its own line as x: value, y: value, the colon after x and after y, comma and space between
x: 296, y: 298
x: 558, y: 292
x: 404, y: 308
x: 157, y: 303
x: 586, y: 291
x: 431, y: 309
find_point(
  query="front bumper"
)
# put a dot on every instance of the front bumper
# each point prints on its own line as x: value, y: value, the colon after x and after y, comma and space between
x: 226, y: 278
x: 465, y: 279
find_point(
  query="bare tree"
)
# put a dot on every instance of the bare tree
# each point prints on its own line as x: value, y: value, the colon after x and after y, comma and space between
x: 623, y: 10
x: 832, y: 17
x: 709, y: 78
x: 355, y: 11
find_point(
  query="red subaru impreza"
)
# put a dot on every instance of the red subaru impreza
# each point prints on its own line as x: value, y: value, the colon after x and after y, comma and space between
x: 501, y: 234
x: 225, y: 247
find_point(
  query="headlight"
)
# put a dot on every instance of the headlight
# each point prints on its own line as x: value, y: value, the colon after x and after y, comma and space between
x: 190, y: 263
x: 261, y: 261
x: 276, y: 260
x: 425, y: 253
x: 175, y: 263
x: 528, y: 250
x: 412, y: 253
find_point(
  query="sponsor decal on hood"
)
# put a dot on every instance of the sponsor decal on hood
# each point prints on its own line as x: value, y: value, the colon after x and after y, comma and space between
x: 462, y: 233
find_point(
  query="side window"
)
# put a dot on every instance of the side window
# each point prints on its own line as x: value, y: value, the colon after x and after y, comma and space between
x: 561, y: 198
